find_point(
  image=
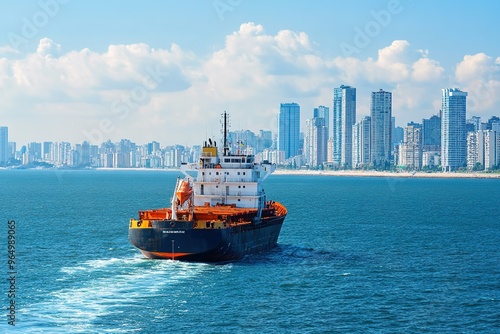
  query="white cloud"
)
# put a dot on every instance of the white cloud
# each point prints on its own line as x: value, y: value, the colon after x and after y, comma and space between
x: 391, y: 65
x: 175, y: 96
x: 475, y: 66
x: 47, y: 47
x: 7, y: 49
x: 479, y: 75
x: 426, y: 70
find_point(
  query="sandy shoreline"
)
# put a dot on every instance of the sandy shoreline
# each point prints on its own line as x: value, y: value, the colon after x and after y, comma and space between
x: 360, y: 173
x: 388, y: 174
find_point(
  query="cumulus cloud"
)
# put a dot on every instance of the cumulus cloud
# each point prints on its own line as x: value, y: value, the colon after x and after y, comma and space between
x: 170, y: 92
x: 479, y: 75
x: 426, y: 70
x: 391, y: 65
x: 121, y: 66
x: 476, y: 66
x: 46, y: 47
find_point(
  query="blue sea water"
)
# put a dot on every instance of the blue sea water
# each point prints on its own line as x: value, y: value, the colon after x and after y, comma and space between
x: 355, y: 255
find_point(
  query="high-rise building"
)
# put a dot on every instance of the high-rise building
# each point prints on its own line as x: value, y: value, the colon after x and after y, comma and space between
x: 410, y: 151
x: 265, y: 140
x: 323, y: 112
x: 34, y: 151
x: 397, y: 133
x: 453, y: 129
x: 344, y: 117
x: 289, y: 129
x: 12, y: 150
x: 380, y: 128
x: 315, y: 142
x: 482, y: 150
x: 361, y: 143
x: 4, y: 144
x: 64, y: 152
x: 472, y: 150
x: 474, y: 123
x: 322, y: 133
x: 46, y: 148
x: 329, y: 152
x: 492, y: 121
x: 431, y: 133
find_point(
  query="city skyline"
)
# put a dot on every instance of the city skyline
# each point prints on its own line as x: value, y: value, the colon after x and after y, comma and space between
x: 151, y: 69
x: 464, y: 142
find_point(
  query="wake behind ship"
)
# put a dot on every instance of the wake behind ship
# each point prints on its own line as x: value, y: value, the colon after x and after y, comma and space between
x: 219, y: 211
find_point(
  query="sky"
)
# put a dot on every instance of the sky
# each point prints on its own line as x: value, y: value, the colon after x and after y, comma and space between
x: 75, y: 70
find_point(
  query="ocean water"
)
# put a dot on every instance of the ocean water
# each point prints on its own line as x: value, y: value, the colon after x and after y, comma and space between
x: 355, y: 255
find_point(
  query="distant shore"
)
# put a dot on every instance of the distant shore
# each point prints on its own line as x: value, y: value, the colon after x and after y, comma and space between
x: 361, y: 173
x: 371, y: 173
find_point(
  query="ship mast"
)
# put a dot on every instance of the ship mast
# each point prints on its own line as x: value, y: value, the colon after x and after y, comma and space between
x: 224, y: 130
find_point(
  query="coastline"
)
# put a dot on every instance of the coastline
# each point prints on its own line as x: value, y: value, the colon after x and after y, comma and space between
x: 389, y: 174
x: 348, y: 173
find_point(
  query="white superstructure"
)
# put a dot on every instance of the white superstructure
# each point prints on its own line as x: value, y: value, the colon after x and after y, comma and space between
x: 227, y: 179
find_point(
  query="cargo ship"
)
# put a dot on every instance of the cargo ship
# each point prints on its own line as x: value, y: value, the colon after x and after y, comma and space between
x: 218, y: 212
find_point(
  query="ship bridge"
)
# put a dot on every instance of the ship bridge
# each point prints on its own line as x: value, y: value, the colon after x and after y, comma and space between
x: 238, y: 161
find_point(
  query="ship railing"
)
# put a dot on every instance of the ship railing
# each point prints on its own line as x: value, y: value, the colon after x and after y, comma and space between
x: 221, y: 178
x: 213, y: 179
x: 243, y: 193
x: 238, y: 179
x: 221, y: 192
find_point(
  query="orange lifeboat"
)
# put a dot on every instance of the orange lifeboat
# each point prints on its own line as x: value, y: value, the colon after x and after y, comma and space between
x: 184, y: 192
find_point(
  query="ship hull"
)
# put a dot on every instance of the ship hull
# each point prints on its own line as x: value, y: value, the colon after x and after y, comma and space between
x: 180, y: 240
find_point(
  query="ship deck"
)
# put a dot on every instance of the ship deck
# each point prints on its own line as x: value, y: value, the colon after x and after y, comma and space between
x: 229, y: 213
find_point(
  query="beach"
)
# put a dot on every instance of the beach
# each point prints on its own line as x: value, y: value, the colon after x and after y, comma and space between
x: 371, y: 173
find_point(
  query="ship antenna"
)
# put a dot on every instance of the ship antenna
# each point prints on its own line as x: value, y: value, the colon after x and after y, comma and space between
x: 225, y: 133
x: 225, y: 121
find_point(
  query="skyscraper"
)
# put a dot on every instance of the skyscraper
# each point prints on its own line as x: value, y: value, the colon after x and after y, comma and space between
x: 482, y: 149
x: 322, y: 133
x: 289, y: 129
x: 410, y: 151
x: 323, y: 112
x: 431, y: 133
x: 315, y: 141
x: 4, y: 144
x: 380, y: 128
x: 453, y: 129
x: 344, y: 117
x: 361, y: 142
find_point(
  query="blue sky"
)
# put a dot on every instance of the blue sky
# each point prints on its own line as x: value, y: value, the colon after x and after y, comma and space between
x: 73, y: 70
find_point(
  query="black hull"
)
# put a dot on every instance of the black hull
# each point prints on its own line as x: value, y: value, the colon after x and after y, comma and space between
x: 178, y: 240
